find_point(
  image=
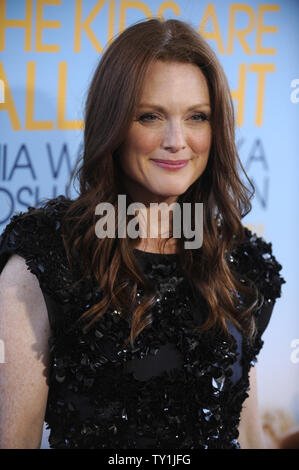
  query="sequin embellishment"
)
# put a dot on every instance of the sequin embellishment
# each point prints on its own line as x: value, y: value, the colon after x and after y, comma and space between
x: 175, y: 388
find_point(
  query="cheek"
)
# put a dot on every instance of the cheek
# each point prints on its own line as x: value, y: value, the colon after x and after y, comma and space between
x: 142, y: 142
x: 202, y: 143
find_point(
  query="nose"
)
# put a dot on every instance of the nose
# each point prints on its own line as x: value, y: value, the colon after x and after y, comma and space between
x: 173, y: 137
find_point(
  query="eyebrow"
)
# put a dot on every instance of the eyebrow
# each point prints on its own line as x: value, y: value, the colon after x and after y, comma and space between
x: 160, y: 108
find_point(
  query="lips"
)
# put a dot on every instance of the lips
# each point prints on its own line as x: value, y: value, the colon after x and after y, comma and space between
x: 171, y: 162
x: 171, y: 165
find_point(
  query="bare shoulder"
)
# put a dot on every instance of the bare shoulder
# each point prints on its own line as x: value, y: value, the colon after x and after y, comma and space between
x: 16, y: 269
x: 21, y: 295
x: 24, y: 331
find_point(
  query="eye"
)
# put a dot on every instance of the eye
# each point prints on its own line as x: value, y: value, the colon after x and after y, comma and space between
x: 200, y: 117
x: 148, y: 117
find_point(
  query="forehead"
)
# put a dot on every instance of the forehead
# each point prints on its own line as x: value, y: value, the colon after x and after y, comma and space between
x: 176, y: 81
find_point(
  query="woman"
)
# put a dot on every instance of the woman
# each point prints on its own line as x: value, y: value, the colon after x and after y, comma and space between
x: 152, y: 343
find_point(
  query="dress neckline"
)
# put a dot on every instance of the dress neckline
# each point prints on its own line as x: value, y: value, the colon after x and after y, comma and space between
x: 157, y: 255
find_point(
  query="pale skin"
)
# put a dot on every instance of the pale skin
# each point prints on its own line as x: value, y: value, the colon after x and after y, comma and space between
x: 177, y: 130
x: 24, y: 328
x: 172, y: 122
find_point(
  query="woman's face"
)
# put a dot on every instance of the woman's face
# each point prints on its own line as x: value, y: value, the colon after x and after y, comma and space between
x: 172, y: 123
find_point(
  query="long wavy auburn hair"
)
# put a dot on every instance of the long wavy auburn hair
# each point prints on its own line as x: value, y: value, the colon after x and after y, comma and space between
x: 111, y: 104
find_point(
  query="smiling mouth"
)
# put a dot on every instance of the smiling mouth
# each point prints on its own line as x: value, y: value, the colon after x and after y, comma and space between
x: 170, y: 164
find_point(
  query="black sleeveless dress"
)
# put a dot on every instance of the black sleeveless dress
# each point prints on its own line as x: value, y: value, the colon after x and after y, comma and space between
x: 175, y: 389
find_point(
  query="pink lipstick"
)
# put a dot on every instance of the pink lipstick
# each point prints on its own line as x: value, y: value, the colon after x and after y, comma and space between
x: 171, y: 164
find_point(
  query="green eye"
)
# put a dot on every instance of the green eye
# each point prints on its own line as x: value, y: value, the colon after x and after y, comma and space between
x: 200, y: 116
x: 147, y: 117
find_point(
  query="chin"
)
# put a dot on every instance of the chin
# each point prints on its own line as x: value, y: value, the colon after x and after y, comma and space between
x: 172, y: 190
x: 177, y: 192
